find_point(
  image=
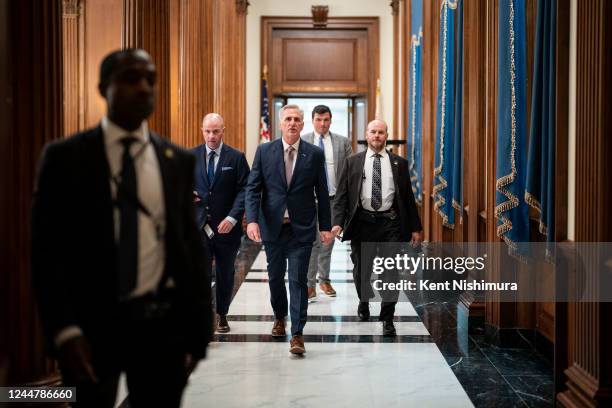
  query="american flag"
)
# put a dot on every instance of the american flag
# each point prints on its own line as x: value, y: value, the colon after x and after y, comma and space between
x: 264, y: 121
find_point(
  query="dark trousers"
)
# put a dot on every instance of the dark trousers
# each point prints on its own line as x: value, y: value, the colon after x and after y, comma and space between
x: 224, y: 253
x: 287, y: 250
x: 369, y: 230
x: 150, y: 355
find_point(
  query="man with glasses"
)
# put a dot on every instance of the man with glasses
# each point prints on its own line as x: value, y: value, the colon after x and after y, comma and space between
x: 221, y: 174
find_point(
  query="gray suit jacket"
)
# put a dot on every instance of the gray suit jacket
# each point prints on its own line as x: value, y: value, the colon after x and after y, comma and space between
x: 342, y: 149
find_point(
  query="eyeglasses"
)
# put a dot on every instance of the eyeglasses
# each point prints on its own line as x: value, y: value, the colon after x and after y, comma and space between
x: 215, y: 132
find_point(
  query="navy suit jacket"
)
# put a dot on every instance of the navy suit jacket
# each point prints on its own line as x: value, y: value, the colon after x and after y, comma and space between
x: 226, y: 194
x: 268, y: 195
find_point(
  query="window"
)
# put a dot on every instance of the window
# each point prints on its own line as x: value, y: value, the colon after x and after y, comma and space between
x: 340, y: 108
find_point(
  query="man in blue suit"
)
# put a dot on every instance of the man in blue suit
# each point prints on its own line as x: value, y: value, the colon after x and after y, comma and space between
x: 281, y: 211
x: 221, y: 174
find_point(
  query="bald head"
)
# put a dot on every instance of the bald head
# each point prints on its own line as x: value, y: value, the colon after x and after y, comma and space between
x: 213, y: 129
x: 213, y: 117
x: 377, y: 122
x: 376, y: 134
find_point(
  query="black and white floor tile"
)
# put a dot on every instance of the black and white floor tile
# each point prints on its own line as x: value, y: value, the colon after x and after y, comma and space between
x: 347, y: 364
x: 433, y: 362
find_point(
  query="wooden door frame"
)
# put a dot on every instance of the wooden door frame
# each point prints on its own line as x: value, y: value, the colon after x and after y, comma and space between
x: 370, y: 24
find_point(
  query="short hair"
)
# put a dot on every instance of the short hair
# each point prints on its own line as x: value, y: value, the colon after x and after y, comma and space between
x: 287, y: 107
x: 211, y: 116
x: 111, y: 61
x: 379, y: 121
x: 321, y: 110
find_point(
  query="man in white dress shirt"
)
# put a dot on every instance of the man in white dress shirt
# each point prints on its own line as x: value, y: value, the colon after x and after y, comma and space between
x: 336, y: 148
x: 117, y: 266
x: 374, y: 203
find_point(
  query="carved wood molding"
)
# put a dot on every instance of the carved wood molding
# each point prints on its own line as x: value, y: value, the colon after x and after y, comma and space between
x: 319, y: 16
x: 72, y: 8
x: 242, y: 6
x: 394, y: 7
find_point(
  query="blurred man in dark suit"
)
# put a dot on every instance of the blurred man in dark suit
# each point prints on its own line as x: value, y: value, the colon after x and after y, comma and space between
x: 117, y: 264
x: 220, y: 177
x: 374, y: 203
x: 286, y: 177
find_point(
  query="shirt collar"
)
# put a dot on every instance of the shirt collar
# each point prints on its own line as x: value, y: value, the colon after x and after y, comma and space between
x: 113, y: 133
x: 217, y: 150
x: 295, y: 145
x: 371, y: 153
x: 324, y: 136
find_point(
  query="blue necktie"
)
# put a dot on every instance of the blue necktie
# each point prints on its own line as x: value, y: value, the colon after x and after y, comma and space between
x: 211, y: 167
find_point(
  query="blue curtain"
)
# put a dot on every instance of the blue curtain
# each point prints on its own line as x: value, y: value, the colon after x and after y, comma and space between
x: 457, y: 177
x: 540, y: 190
x: 511, y: 211
x: 445, y: 116
x: 414, y: 138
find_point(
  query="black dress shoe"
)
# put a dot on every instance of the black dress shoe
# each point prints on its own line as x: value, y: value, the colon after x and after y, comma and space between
x: 222, y: 325
x: 363, y: 316
x: 388, y: 328
x: 363, y: 311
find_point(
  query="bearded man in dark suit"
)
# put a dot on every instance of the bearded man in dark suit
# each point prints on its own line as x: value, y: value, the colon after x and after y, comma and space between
x: 374, y: 204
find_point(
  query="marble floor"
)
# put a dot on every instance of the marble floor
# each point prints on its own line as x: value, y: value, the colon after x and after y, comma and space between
x: 433, y: 362
x: 347, y: 363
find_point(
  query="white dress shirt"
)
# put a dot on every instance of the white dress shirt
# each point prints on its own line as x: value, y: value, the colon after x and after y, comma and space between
x: 151, y: 243
x: 386, y: 178
x: 329, y: 160
x: 215, y: 164
x: 296, y: 146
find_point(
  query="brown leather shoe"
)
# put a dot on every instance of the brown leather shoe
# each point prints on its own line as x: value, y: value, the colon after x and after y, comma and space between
x: 278, y: 330
x: 327, y: 288
x: 312, y: 295
x: 296, y: 345
x: 222, y: 325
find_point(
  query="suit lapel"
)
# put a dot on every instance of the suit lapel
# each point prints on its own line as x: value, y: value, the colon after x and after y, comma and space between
x: 336, y: 149
x: 201, y: 152
x: 301, y: 157
x: 309, y: 137
x: 394, y: 169
x: 360, y: 175
x: 220, y: 164
x: 102, y: 179
x: 279, y: 156
x: 164, y: 154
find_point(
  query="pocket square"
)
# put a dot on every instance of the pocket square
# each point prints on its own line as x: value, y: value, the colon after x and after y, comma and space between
x: 226, y: 168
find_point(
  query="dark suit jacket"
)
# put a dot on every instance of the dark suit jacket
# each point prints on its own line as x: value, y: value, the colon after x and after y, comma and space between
x: 226, y: 195
x: 74, y: 256
x: 267, y: 193
x: 348, y: 196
